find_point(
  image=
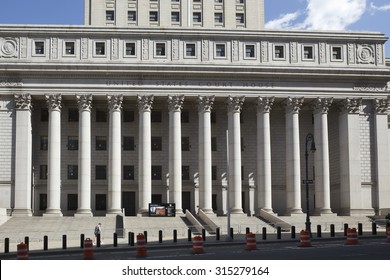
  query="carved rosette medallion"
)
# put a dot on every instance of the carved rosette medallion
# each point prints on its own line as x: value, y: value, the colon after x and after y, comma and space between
x: 175, y: 103
x: 321, y: 105
x: 264, y: 104
x: 115, y: 102
x: 205, y: 103
x: 84, y: 101
x: 8, y: 47
x: 350, y: 106
x: 365, y: 54
x: 54, y: 102
x: 234, y: 103
x: 293, y: 104
x: 381, y: 106
x: 23, y: 101
x: 145, y: 102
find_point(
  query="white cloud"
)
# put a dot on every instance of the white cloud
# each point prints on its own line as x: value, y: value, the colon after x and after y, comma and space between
x: 382, y: 8
x: 324, y: 15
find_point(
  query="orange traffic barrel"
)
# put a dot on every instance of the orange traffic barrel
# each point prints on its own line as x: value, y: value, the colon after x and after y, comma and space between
x: 22, y: 251
x: 197, y: 244
x: 141, y: 245
x: 88, y: 249
x: 388, y: 234
x: 305, y: 239
x: 352, y: 238
x: 251, y: 241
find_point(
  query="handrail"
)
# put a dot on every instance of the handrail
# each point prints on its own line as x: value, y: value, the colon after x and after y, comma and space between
x: 194, y: 222
x: 210, y: 224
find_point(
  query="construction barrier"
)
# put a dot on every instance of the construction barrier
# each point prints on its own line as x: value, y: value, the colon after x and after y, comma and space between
x: 141, y: 245
x: 388, y: 234
x: 22, y: 251
x: 197, y: 244
x: 352, y: 238
x: 88, y: 249
x: 251, y: 241
x: 305, y: 239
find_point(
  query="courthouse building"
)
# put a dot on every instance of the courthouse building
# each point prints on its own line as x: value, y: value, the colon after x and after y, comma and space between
x: 191, y: 102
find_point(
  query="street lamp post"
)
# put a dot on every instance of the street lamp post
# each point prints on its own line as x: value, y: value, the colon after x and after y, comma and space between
x: 309, y: 138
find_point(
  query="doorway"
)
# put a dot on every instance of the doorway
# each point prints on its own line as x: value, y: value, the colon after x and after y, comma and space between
x: 128, y: 203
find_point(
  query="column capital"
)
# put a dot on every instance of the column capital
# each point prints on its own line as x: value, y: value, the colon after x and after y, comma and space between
x: 350, y: 106
x: 54, y: 101
x: 264, y: 104
x: 115, y: 102
x: 205, y: 103
x: 234, y: 103
x: 321, y: 105
x: 175, y: 102
x: 84, y: 101
x: 145, y: 102
x: 23, y: 101
x: 293, y: 104
x: 381, y: 106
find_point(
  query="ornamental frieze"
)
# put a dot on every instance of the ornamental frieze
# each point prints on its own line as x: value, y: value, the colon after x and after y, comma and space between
x: 9, y: 47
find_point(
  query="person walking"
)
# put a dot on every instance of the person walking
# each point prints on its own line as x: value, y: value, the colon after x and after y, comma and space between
x: 98, y: 233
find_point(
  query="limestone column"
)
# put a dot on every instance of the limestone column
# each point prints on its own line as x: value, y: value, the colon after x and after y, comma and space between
x: 321, y: 157
x: 23, y: 155
x: 234, y: 105
x: 114, y: 155
x: 145, y: 153
x: 350, y: 172
x: 293, y: 159
x: 205, y: 104
x: 54, y: 156
x: 175, y: 103
x: 84, y: 156
x: 382, y: 155
x: 264, y: 175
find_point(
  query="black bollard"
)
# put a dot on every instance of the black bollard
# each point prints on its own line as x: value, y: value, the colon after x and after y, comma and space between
x: 218, y: 234
x: 231, y: 233
x: 115, y: 237
x: 319, y: 233
x: 160, y: 236
x: 6, y: 245
x: 264, y: 233
x: 27, y: 242
x: 374, y: 228
x: 45, y: 243
x: 189, y: 235
x: 345, y: 229
x: 82, y: 237
x: 332, y: 231
x: 98, y: 240
x: 175, y: 235
x: 64, y: 241
x: 131, y: 238
x: 203, y: 234
x: 292, y: 232
x: 360, y: 228
x: 146, y: 236
x: 278, y: 233
x: 247, y: 230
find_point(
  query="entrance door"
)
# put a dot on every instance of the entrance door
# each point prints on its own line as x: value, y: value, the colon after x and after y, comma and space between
x: 186, y: 201
x: 128, y: 203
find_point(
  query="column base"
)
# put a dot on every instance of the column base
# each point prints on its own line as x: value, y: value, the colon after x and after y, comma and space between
x: 83, y: 213
x: 235, y: 211
x: 297, y: 211
x: 114, y: 212
x: 21, y: 213
x: 320, y: 212
x: 208, y: 211
x: 52, y: 213
x: 270, y: 211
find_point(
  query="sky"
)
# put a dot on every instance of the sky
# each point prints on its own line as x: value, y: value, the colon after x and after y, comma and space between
x: 355, y: 15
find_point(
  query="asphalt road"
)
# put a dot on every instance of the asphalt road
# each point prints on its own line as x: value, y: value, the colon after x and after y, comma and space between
x: 367, y: 249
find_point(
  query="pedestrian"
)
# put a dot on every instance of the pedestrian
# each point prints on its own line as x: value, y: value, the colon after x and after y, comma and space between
x: 388, y: 220
x: 98, y: 232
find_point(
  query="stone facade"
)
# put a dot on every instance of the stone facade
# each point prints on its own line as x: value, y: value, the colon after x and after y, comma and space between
x: 96, y: 119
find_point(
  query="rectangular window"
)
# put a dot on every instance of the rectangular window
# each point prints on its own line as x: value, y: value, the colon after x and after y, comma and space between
x: 240, y: 1
x: 73, y: 143
x: 308, y: 52
x: 197, y: 17
x: 156, y: 172
x: 190, y: 50
x: 44, y: 143
x: 100, y: 48
x: 101, y: 202
x: 43, y: 172
x: 110, y: 15
x: 218, y: 1
x: 73, y: 172
x: 279, y: 52
x: 220, y: 50
x: 336, y: 53
x: 240, y: 18
x: 101, y: 115
x: 175, y: 17
x: 73, y: 115
x: 128, y: 143
x: 69, y: 48
x: 249, y: 51
x: 128, y: 172
x: 185, y: 143
x: 130, y: 49
x: 218, y: 18
x: 185, y: 172
x: 40, y: 47
x: 128, y: 116
x: 101, y: 143
x: 153, y: 16
x: 160, y: 49
x: 156, y: 143
x: 100, y: 172
x: 132, y: 16
x: 72, y: 202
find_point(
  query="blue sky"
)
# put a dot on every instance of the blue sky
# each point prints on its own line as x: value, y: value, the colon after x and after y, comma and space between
x: 356, y: 15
